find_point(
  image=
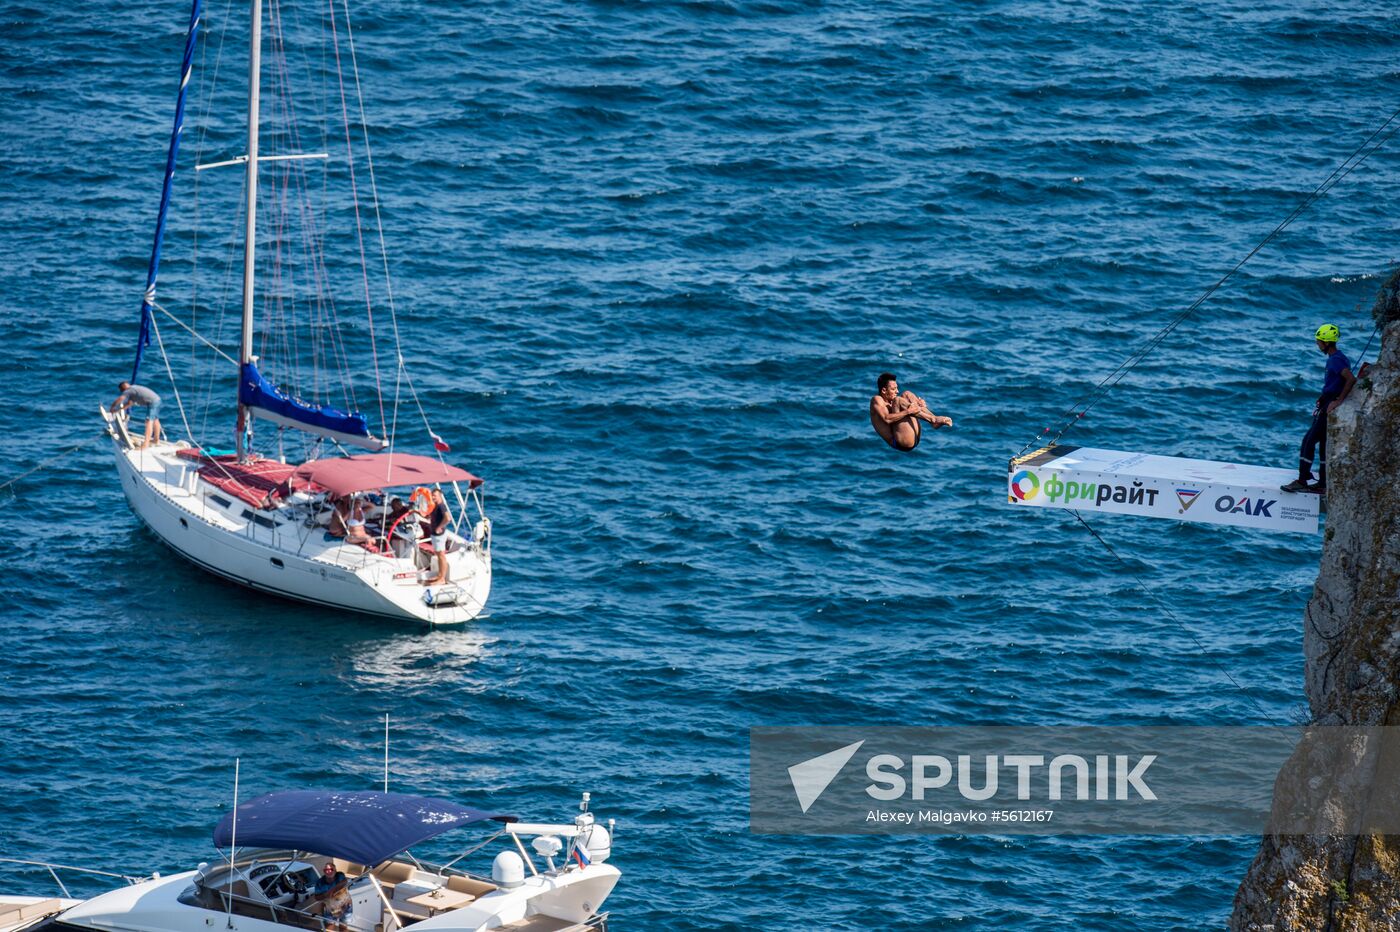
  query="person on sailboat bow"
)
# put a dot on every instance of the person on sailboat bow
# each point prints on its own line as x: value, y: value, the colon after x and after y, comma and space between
x: 896, y: 417
x: 140, y: 396
x: 1336, y: 385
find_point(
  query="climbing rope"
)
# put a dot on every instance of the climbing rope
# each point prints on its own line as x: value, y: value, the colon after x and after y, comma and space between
x: 1175, y: 620
x: 1367, y: 348
x: 1359, y: 155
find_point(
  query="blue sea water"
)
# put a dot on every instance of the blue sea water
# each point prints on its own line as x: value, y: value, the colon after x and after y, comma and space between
x: 648, y: 259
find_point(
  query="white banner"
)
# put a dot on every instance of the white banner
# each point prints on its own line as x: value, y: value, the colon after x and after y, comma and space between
x: 1202, y: 491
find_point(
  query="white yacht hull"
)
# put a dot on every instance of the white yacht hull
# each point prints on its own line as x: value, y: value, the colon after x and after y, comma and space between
x: 289, y: 559
x: 548, y: 903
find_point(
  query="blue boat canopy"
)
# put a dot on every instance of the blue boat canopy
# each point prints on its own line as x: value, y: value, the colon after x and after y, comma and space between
x: 366, y: 828
x: 271, y: 403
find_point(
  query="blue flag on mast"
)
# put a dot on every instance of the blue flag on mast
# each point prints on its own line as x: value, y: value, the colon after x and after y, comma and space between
x: 148, y: 297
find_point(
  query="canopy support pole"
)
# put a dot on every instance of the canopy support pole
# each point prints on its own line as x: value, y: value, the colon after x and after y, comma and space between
x: 388, y: 906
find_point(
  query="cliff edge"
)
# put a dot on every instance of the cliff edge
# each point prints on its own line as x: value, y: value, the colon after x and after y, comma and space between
x: 1351, y: 646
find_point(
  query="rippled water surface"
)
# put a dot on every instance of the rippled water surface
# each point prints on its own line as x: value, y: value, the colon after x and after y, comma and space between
x: 648, y: 259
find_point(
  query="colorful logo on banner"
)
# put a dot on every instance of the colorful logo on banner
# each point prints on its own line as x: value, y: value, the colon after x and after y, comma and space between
x: 1187, y: 497
x: 1024, y: 485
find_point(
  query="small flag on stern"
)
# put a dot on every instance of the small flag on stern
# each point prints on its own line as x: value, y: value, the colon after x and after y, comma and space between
x: 439, y: 444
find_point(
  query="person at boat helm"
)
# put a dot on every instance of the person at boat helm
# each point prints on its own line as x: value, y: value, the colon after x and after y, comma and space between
x: 1337, y: 383
x: 331, y: 898
x: 899, y: 418
x: 438, y: 520
x: 140, y: 396
x: 393, y: 511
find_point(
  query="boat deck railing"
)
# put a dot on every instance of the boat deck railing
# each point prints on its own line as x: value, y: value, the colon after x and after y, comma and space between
x: 53, y: 870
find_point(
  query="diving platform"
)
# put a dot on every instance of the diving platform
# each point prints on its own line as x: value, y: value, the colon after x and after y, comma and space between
x: 1150, y: 486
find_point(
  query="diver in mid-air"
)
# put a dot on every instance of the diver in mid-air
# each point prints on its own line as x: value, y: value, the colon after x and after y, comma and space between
x: 899, y: 419
x: 1336, y: 385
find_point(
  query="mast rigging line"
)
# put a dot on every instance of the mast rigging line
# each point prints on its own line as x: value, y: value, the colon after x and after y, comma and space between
x: 1359, y: 155
x: 355, y: 199
x: 208, y: 84
x: 243, y: 159
x: 194, y: 334
x: 1175, y: 620
x: 174, y: 386
x: 379, y: 224
x: 343, y: 48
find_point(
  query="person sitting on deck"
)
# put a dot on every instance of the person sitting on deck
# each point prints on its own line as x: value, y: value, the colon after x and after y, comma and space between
x: 1337, y: 383
x: 140, y: 396
x: 438, y: 520
x: 331, y: 898
x: 340, y: 514
x: 896, y: 418
x: 354, y: 521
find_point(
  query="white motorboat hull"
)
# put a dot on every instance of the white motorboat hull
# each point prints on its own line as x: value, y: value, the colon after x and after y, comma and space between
x: 289, y: 559
x: 570, y: 899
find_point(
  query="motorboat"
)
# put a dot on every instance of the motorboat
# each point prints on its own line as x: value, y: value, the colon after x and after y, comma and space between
x: 274, y: 848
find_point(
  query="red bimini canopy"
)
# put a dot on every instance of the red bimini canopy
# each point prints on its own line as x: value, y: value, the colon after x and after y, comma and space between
x: 349, y: 474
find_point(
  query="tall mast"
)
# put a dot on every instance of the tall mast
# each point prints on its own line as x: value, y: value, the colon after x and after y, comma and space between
x: 250, y: 231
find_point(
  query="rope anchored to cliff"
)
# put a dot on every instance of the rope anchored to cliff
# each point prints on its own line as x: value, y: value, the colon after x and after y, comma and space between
x: 1369, y: 147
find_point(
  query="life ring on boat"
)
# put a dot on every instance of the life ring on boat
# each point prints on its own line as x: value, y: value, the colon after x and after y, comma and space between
x: 426, y: 494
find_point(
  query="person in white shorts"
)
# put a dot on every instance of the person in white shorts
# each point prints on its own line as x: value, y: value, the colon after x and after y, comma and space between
x: 133, y: 396
x: 438, y: 520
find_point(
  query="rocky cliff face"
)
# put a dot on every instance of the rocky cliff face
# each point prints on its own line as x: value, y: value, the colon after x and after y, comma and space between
x: 1351, y: 644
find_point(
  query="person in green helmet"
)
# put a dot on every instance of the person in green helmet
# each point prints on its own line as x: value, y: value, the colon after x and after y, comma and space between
x: 1336, y: 385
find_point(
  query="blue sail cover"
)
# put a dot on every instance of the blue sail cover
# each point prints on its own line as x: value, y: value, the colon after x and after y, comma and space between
x: 148, y: 296
x: 366, y: 828
x: 268, y: 401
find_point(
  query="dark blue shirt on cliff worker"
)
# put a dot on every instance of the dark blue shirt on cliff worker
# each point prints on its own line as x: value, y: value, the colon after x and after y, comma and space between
x: 1332, y: 381
x: 1336, y: 385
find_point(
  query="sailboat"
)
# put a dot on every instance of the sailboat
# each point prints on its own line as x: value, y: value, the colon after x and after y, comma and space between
x: 337, y: 527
